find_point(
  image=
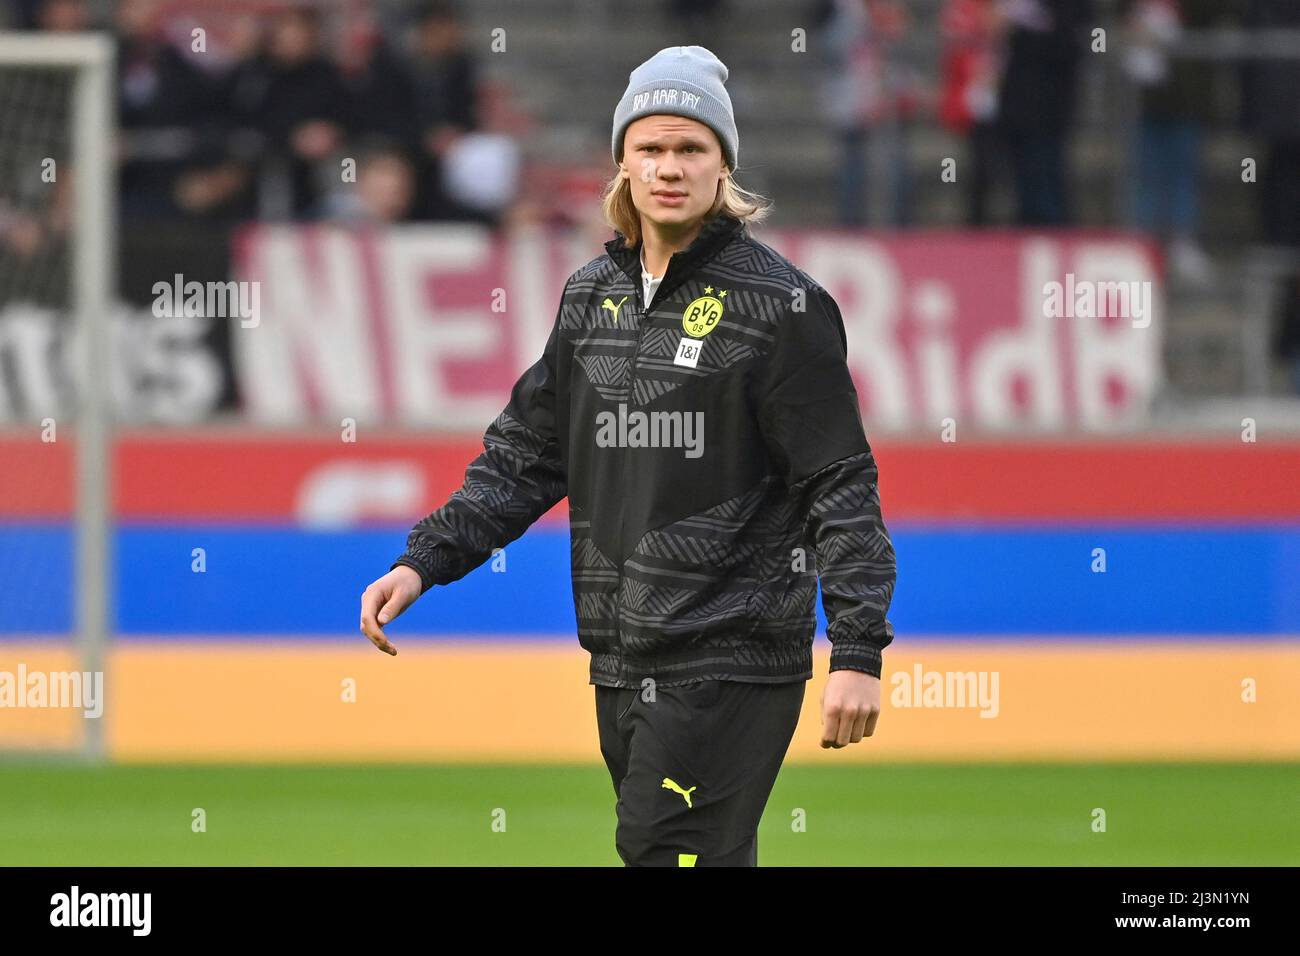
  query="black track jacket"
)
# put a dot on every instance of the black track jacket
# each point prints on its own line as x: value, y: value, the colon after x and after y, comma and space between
x: 713, y: 454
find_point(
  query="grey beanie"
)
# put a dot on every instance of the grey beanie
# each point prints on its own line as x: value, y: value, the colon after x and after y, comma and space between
x: 682, y: 81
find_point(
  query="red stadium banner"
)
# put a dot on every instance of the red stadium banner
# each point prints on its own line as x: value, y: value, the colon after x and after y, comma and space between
x: 431, y: 325
x: 320, y: 482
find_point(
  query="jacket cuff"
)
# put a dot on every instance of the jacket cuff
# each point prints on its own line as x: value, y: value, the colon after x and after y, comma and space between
x: 425, y: 580
x: 852, y: 655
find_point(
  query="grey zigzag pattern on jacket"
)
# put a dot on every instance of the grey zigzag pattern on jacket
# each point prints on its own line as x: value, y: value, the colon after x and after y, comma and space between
x: 513, y: 482
x: 684, y: 569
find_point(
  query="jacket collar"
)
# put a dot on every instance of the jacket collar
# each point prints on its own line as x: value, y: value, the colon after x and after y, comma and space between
x: 715, y: 234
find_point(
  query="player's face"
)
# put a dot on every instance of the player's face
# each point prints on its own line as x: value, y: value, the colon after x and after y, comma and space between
x: 674, y: 166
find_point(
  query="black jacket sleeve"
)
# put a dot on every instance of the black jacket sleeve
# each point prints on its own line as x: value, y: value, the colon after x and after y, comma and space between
x: 517, y: 479
x: 809, y: 417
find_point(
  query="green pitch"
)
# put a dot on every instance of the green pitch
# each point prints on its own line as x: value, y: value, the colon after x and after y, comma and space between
x: 1032, y: 814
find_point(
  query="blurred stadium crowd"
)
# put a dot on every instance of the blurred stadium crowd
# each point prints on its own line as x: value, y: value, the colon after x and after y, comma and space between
x: 258, y: 115
x: 251, y: 120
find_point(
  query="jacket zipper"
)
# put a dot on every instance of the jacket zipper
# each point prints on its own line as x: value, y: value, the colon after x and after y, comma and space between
x: 646, y: 312
x: 639, y: 290
x: 631, y: 389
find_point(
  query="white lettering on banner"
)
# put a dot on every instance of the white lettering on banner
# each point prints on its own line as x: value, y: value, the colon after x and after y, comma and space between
x: 27, y: 335
x: 427, y: 334
x: 935, y: 309
x: 341, y: 494
x: 313, y: 354
x: 534, y: 300
x: 1025, y: 353
x: 929, y: 335
x: 401, y: 324
x: 1113, y: 355
x: 164, y: 371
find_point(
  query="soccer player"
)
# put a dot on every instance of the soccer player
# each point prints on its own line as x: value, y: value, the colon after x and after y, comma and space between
x: 694, y: 403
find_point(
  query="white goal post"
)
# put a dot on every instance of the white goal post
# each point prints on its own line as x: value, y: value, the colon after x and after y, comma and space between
x: 90, y: 58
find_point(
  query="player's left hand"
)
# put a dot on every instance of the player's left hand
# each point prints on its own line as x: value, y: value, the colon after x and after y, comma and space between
x: 850, y: 707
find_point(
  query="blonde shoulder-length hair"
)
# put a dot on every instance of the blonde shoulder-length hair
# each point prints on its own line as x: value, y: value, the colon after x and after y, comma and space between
x: 731, y: 200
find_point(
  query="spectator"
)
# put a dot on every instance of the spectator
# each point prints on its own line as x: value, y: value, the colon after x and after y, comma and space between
x: 697, y: 17
x: 1036, y: 101
x: 19, y: 14
x: 445, y: 104
x: 170, y: 141
x: 865, y: 100
x: 381, y: 93
x: 35, y: 216
x: 482, y: 171
x: 384, y: 191
x: 63, y: 16
x: 1287, y: 341
x: 689, y: 20
x: 295, y: 98
x: 1271, y: 104
x: 969, y: 102
x: 1175, y: 95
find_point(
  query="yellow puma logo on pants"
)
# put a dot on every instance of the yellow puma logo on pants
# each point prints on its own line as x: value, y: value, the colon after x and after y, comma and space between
x: 609, y: 304
x: 670, y: 784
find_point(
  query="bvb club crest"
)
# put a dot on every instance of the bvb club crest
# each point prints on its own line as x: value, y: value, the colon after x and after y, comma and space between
x: 704, y: 313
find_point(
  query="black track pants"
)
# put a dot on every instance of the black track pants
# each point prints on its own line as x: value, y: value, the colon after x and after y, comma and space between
x: 693, y: 768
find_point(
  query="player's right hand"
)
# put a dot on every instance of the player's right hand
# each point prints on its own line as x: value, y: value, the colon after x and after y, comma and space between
x: 384, y: 600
